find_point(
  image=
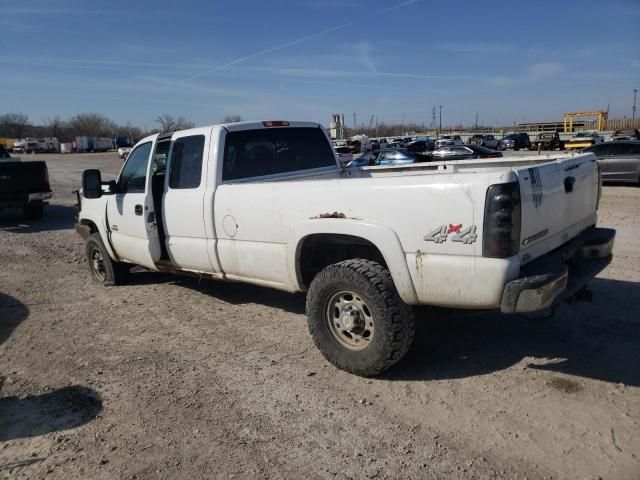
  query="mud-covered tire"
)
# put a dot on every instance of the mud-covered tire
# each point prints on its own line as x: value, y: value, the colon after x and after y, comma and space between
x: 392, y: 320
x: 102, y: 268
x: 33, y: 212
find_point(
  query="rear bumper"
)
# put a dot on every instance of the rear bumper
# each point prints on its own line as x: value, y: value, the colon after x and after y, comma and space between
x: 17, y: 200
x: 559, y: 274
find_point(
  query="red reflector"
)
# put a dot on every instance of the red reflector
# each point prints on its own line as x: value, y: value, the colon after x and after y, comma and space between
x: 275, y: 123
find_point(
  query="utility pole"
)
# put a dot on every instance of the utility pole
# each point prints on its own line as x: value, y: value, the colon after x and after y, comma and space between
x: 633, y: 111
x: 476, y: 121
x: 433, y: 118
x: 440, y: 132
x: 354, y: 122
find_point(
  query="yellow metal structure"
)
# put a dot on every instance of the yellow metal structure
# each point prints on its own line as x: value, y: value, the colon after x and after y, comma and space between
x: 602, y: 118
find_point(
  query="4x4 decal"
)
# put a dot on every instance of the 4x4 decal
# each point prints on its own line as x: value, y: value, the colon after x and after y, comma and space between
x: 463, y: 235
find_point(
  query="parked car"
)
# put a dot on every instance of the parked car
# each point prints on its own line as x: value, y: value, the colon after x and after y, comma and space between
x: 464, y: 152
x: 445, y: 140
x: 344, y: 154
x: 374, y: 145
x: 421, y: 146
x: 123, y: 152
x: 23, y: 185
x: 626, y: 135
x: 618, y: 160
x: 488, y: 141
x: 548, y: 141
x: 27, y: 145
x: 388, y: 156
x: 397, y: 143
x: 515, y: 141
x: 273, y: 208
x: 582, y: 140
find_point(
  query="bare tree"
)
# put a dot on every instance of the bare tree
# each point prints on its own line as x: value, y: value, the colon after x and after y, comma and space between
x: 169, y: 123
x: 55, y: 126
x: 92, y: 124
x: 14, y: 125
x: 232, y: 118
x: 129, y: 131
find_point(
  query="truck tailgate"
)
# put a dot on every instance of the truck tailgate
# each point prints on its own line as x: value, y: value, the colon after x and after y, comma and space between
x: 23, y: 178
x: 559, y: 199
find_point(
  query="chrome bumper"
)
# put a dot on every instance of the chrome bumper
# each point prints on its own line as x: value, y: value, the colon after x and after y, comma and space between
x: 39, y: 197
x: 559, y: 274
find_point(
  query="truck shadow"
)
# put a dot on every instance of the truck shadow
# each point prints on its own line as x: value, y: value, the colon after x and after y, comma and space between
x: 60, y: 409
x: 12, y: 313
x: 242, y: 293
x: 53, y: 411
x: 56, y: 217
x: 599, y: 341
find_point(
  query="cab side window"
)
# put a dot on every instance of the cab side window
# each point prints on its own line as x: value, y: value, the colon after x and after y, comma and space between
x: 186, y: 162
x: 133, y: 177
x: 621, y: 149
x: 599, y: 150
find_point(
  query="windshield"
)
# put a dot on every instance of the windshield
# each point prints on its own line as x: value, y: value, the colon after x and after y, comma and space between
x: 269, y: 151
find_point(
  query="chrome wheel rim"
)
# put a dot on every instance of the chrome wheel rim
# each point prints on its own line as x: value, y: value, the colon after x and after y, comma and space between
x: 97, y: 264
x: 349, y: 320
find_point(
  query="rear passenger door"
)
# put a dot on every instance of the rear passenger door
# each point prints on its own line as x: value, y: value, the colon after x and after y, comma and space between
x: 602, y: 153
x: 183, y: 201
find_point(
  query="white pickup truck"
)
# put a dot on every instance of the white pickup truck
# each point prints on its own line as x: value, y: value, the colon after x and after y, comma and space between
x: 267, y: 203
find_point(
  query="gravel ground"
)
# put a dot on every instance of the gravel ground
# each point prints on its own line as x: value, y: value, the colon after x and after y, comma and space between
x: 173, y: 377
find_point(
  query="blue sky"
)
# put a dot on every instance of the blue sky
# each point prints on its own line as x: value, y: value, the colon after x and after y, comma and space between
x: 133, y: 60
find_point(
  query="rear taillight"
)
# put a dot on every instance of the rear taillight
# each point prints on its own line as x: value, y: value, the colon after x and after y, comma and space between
x: 599, y: 186
x: 501, y: 231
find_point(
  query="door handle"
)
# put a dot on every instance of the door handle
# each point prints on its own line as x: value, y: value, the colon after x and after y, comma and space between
x: 138, y: 209
x: 568, y: 184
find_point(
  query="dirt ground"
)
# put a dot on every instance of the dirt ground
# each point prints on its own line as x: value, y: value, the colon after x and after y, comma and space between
x: 172, y: 377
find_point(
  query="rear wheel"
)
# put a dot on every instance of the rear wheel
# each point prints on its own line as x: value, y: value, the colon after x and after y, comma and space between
x: 33, y: 212
x: 103, y: 269
x: 357, y: 319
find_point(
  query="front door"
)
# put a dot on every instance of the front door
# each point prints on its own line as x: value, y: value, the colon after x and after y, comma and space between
x: 130, y: 212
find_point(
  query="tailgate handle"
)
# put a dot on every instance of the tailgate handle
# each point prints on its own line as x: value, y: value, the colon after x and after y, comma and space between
x: 138, y: 209
x: 568, y: 184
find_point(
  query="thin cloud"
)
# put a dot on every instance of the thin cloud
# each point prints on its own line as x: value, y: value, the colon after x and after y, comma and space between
x: 473, y: 47
x: 291, y: 44
x: 400, y: 5
x: 268, y: 50
x: 86, y: 63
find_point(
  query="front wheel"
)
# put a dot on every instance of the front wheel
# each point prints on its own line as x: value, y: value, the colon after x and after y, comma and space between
x: 103, y: 269
x: 357, y: 319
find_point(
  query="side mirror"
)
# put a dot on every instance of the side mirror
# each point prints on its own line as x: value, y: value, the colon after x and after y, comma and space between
x: 91, y: 183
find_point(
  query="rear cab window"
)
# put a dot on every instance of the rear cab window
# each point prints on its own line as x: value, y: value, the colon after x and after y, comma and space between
x: 271, y: 151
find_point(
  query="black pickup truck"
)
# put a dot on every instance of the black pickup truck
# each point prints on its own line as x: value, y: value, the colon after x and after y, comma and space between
x: 548, y: 141
x: 23, y: 185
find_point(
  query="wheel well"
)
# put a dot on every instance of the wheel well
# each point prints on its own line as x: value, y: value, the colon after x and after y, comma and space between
x: 321, y: 250
x: 92, y: 226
